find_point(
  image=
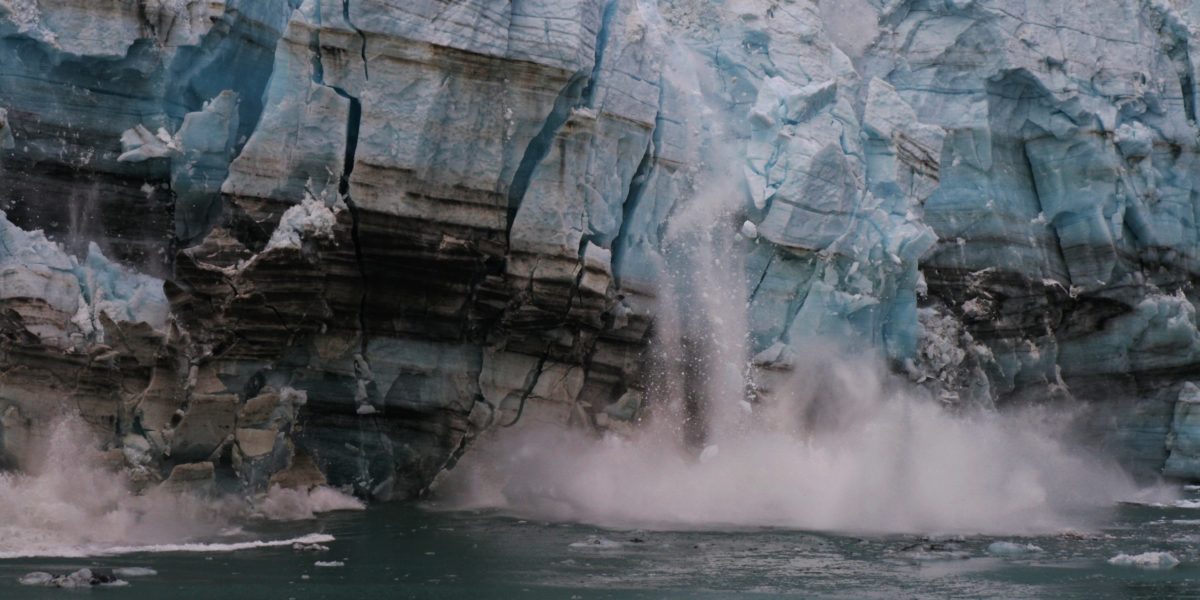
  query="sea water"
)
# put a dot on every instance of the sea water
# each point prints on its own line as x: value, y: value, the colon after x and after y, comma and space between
x: 423, y: 551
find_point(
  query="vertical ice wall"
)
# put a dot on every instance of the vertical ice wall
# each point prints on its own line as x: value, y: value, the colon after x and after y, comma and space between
x: 431, y: 218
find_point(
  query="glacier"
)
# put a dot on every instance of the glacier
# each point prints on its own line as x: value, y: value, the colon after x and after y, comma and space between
x: 285, y: 242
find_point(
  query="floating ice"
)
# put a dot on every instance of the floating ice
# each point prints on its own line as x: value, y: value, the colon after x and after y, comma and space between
x: 1011, y: 549
x: 134, y: 572
x: 36, y: 578
x: 1146, y: 560
x: 598, y: 543
x: 79, y: 579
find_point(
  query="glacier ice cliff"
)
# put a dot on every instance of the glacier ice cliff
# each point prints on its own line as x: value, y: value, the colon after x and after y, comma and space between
x: 284, y: 241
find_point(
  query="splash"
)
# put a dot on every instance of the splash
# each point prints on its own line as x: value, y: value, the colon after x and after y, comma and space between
x: 886, y: 461
x: 70, y: 503
x: 280, y: 504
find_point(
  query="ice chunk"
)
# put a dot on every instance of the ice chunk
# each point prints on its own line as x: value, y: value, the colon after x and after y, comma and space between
x: 1146, y: 560
x: 597, y: 543
x: 1011, y: 549
x: 310, y: 219
x: 79, y: 579
x: 139, y: 144
x: 134, y: 572
x: 36, y: 578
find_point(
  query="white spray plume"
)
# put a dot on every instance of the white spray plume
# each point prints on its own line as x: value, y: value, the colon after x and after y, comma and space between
x: 68, y: 502
x: 871, y: 459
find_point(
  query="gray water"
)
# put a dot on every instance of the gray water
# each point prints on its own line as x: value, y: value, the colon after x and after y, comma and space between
x: 420, y: 551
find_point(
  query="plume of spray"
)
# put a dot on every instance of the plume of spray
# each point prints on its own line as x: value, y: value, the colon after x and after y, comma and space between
x: 68, y: 502
x: 838, y: 445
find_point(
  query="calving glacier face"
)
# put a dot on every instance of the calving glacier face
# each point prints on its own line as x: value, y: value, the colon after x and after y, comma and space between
x: 383, y: 227
x: 365, y: 203
x: 1023, y: 173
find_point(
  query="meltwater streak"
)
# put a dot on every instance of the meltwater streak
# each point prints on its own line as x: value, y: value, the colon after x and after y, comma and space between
x: 69, y: 504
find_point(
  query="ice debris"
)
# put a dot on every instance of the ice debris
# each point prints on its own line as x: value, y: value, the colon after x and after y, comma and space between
x: 310, y: 219
x: 1012, y: 549
x: 79, y: 579
x: 1146, y: 560
x: 134, y: 572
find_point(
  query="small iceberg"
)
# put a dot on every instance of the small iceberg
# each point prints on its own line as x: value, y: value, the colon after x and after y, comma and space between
x: 79, y: 579
x: 1146, y: 560
x: 329, y: 563
x: 134, y: 572
x: 36, y: 578
x: 1012, y: 549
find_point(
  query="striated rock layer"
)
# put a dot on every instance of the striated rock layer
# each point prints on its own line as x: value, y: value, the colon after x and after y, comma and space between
x: 294, y: 241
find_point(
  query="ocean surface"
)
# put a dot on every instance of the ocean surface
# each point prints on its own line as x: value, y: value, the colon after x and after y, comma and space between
x: 420, y: 551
